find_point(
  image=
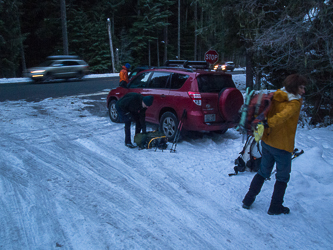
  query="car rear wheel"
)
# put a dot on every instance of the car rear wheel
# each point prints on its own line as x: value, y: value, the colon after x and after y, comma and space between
x: 168, y: 125
x: 79, y: 75
x: 113, y: 112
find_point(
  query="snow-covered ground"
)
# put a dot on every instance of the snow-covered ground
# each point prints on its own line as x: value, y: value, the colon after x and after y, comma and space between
x: 67, y: 181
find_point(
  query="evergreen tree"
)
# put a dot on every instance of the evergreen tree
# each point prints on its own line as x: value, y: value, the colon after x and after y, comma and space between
x: 148, y: 27
x: 10, y: 39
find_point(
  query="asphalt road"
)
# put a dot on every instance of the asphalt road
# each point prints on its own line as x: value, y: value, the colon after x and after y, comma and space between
x: 34, y: 92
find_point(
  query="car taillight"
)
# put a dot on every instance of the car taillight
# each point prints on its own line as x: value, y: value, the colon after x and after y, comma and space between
x: 196, y: 97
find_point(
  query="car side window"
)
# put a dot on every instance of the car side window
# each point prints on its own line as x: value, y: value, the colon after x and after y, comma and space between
x: 159, y: 80
x: 69, y: 63
x: 178, y: 80
x: 141, y: 81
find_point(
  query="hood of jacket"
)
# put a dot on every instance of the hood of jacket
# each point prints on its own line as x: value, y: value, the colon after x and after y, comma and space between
x: 282, y: 95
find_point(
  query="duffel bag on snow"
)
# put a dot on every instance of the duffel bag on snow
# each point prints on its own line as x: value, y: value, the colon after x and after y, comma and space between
x: 153, y: 139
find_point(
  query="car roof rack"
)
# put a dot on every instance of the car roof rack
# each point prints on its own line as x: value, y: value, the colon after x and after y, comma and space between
x: 187, y: 64
x: 178, y: 68
x: 62, y: 57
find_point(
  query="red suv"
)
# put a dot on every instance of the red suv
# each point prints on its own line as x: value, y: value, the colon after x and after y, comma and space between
x: 210, y: 98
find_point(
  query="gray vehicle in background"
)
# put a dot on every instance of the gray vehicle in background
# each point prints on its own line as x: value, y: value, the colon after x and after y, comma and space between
x: 59, y: 67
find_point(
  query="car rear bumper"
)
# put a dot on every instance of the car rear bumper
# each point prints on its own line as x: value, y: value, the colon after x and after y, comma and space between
x: 195, y: 122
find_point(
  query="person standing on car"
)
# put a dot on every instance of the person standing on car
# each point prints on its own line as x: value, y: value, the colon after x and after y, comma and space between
x: 123, y: 75
x: 132, y: 107
x: 278, y: 143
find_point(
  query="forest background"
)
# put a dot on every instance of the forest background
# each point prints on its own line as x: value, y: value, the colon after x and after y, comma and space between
x: 271, y: 38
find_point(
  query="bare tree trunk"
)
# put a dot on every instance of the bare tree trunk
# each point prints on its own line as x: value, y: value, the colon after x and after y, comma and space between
x: 195, y: 29
x: 158, y: 53
x: 249, y: 70
x: 24, y: 66
x: 64, y: 26
x: 149, y: 60
x: 165, y: 57
x: 201, y: 43
x: 178, y: 30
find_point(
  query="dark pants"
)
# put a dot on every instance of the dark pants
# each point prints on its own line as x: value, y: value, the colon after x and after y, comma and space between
x: 270, y: 156
x: 127, y: 119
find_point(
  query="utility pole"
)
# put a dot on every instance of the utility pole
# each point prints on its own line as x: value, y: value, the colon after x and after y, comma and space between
x: 64, y: 26
x: 111, y: 47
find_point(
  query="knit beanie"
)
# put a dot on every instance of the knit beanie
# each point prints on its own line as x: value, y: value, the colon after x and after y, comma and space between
x: 148, y: 100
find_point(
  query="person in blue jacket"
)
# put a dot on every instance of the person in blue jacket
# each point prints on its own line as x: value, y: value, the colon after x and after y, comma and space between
x: 132, y: 107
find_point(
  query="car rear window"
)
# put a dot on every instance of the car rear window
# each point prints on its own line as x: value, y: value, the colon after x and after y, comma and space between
x: 214, y: 83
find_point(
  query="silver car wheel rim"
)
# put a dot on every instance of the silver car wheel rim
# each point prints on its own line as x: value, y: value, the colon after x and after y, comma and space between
x: 113, y: 112
x: 169, y: 127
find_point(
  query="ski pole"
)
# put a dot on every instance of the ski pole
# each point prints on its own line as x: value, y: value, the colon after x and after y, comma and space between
x: 177, y: 135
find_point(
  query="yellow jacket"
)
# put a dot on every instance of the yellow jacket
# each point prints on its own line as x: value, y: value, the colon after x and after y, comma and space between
x: 282, y: 120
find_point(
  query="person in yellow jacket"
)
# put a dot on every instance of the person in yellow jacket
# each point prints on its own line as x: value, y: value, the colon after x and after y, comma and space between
x: 123, y: 75
x: 278, y: 143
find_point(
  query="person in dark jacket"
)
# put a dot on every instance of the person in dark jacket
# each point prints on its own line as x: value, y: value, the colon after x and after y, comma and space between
x: 278, y: 143
x: 132, y: 107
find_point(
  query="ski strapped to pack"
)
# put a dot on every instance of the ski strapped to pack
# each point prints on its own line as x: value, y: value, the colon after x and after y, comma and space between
x: 242, y: 122
x: 179, y: 129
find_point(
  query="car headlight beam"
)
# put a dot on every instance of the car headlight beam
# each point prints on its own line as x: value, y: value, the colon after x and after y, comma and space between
x: 37, y: 71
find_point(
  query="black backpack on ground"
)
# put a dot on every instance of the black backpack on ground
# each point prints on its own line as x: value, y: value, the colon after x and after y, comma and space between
x: 152, y: 139
x: 250, y: 157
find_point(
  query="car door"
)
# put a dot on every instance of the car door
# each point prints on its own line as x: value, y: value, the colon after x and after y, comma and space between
x: 157, y: 87
x: 62, y: 69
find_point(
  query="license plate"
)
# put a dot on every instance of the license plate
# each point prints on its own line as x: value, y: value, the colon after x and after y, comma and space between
x: 210, y: 118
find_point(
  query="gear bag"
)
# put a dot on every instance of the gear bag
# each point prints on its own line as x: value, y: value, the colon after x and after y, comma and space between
x: 250, y: 157
x: 257, y: 110
x: 152, y: 139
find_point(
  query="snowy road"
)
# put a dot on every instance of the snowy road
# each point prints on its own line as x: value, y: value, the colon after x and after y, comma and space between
x: 67, y: 181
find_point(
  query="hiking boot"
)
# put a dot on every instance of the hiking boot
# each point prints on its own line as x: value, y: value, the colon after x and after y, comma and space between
x: 130, y: 145
x: 277, y: 199
x: 254, y: 190
x: 278, y: 210
x: 245, y: 206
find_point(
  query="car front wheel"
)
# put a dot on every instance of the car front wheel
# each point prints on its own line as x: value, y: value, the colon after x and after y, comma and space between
x: 168, y: 125
x: 48, y: 77
x: 113, y: 112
